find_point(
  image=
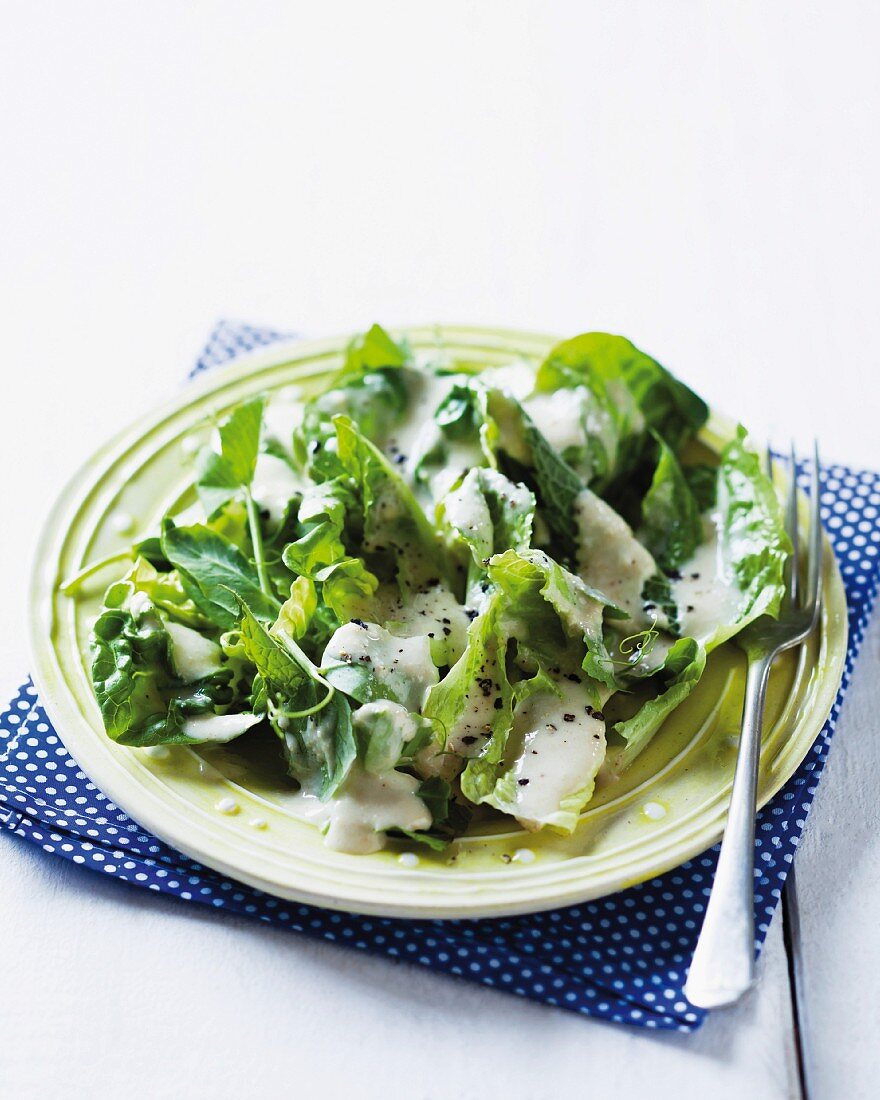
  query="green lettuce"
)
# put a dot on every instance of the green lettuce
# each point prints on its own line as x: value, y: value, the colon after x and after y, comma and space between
x: 488, y: 514
x: 753, y: 543
x: 395, y: 529
x: 215, y: 573
x: 681, y: 672
x: 142, y: 699
x: 672, y: 527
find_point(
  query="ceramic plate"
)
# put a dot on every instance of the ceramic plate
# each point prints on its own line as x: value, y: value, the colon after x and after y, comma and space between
x: 669, y: 806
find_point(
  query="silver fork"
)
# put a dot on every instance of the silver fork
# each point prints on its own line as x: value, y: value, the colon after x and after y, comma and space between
x: 723, y: 967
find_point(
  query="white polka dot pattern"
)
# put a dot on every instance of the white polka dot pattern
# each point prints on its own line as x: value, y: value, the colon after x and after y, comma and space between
x: 623, y: 958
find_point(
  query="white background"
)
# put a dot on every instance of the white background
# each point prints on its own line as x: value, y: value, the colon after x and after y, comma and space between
x: 701, y: 177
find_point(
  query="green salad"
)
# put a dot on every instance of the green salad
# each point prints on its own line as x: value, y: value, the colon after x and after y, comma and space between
x: 440, y: 590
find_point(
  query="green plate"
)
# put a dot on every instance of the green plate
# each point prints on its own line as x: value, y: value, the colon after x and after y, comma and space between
x: 669, y: 806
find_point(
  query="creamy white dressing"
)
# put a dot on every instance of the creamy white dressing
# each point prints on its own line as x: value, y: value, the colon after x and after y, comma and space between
x: 403, y: 665
x: 467, y: 512
x: 523, y: 855
x: 192, y: 654
x: 610, y: 557
x: 707, y: 594
x: 219, y: 727
x: 559, y: 416
x: 459, y: 458
x: 563, y: 749
x: 274, y: 484
x: 139, y: 603
x: 364, y: 806
x: 434, y: 611
x: 404, y: 723
x: 283, y: 415
x: 417, y: 433
x: 517, y: 378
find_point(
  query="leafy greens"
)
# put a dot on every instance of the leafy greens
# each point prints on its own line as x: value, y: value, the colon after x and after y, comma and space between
x: 459, y: 571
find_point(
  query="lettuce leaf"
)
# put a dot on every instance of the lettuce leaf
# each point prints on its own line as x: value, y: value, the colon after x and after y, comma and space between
x: 389, y: 736
x: 142, y: 699
x: 682, y: 670
x: 394, y: 526
x: 321, y: 748
x: 367, y: 663
x: 489, y: 514
x: 530, y: 458
x: 672, y: 527
x: 472, y: 703
x: 214, y: 573
x: 223, y: 476
x: 373, y: 350
x: 605, y: 362
x: 752, y: 550
x: 753, y: 543
x: 323, y: 512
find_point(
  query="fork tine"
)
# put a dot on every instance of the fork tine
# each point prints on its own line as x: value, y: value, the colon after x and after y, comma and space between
x: 814, y: 549
x: 791, y: 526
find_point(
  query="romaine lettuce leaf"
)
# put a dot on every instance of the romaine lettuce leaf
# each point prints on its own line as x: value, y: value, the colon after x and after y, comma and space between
x: 394, y: 526
x: 530, y: 458
x: 367, y: 662
x: 538, y: 590
x: 471, y: 704
x: 489, y: 514
x: 672, y: 528
x: 682, y: 669
x: 753, y: 543
x: 605, y: 362
x: 558, y: 746
x: 323, y: 512
x: 749, y: 559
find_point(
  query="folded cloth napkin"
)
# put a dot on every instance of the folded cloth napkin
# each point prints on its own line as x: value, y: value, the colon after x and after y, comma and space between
x: 622, y: 958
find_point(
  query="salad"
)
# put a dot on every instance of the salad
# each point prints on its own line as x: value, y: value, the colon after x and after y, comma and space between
x: 440, y: 590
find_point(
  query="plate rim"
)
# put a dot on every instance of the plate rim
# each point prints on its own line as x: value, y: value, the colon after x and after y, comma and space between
x: 130, y: 793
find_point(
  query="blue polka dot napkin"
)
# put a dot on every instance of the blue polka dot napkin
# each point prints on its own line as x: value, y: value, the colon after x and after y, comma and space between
x: 622, y: 958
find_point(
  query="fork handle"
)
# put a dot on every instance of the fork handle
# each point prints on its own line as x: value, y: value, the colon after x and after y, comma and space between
x: 723, y: 967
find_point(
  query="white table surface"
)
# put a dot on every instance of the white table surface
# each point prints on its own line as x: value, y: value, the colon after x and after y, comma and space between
x: 700, y: 177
